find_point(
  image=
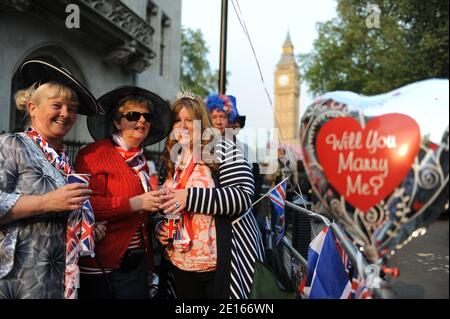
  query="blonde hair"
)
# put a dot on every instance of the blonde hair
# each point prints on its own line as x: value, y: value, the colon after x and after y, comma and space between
x: 36, y: 92
x: 198, y: 111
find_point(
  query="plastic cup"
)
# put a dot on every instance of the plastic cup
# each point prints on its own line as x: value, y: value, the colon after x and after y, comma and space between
x: 162, y: 189
x: 78, y: 178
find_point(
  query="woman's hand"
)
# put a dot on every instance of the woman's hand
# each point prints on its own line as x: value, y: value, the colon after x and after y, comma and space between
x: 148, y: 202
x: 175, y: 201
x: 161, y: 234
x: 100, y: 230
x: 67, y: 198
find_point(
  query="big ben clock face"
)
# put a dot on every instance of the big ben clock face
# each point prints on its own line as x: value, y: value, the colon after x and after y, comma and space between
x: 283, y: 80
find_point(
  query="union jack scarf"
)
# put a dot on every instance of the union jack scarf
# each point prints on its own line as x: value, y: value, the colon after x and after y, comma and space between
x: 80, y: 224
x: 185, y: 232
x: 135, y: 159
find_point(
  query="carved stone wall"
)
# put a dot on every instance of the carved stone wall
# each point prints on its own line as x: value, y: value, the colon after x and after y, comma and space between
x: 126, y: 39
x: 122, y: 16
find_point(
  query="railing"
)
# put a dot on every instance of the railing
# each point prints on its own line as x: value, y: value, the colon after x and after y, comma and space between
x: 294, y: 263
x: 72, y: 149
x: 347, y: 245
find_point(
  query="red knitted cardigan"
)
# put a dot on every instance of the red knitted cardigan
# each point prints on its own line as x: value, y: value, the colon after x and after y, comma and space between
x: 113, y: 183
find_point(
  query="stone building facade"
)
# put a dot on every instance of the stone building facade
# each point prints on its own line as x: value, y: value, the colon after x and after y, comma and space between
x: 115, y: 43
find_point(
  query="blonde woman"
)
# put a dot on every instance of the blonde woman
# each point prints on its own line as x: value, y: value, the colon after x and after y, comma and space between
x: 35, y: 201
x: 211, y: 259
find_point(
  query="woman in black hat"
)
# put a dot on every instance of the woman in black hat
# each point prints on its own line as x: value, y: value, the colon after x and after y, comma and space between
x: 122, y: 195
x: 35, y: 202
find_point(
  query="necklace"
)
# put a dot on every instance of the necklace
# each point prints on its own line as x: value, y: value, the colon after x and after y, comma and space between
x: 181, y: 166
x: 184, y: 161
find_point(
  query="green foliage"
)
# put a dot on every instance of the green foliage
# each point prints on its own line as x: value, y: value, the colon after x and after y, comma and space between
x: 410, y: 44
x: 196, y: 74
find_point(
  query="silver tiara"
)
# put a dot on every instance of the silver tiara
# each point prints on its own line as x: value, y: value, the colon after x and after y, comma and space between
x: 185, y: 94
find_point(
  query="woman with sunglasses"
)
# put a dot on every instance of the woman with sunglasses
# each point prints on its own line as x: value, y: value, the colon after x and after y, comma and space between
x: 122, y: 195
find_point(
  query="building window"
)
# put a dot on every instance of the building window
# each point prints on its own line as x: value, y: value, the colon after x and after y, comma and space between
x: 164, y: 35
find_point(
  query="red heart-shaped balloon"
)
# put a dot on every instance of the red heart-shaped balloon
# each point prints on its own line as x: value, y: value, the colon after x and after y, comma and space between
x: 366, y: 164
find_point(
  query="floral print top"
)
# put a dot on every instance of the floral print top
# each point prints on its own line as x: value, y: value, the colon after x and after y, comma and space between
x: 32, y: 249
x: 202, y: 255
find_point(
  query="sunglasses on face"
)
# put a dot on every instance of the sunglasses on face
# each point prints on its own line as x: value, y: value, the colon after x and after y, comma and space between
x: 135, y: 116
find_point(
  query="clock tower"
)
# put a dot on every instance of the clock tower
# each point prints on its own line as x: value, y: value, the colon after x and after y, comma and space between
x: 287, y: 96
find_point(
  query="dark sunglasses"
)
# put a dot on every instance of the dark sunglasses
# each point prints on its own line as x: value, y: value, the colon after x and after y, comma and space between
x: 135, y: 116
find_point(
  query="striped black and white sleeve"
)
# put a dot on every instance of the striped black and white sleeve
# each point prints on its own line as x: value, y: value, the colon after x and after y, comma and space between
x: 237, y: 186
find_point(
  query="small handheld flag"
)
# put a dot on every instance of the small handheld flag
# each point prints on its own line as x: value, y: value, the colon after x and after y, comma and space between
x: 278, y: 198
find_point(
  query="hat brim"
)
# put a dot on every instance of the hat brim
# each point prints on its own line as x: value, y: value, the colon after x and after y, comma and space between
x: 101, y: 126
x: 241, y: 120
x: 33, y: 71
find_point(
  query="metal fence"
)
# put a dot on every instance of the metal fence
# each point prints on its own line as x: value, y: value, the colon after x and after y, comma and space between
x: 293, y: 247
x: 294, y: 263
x: 292, y: 243
x: 72, y: 149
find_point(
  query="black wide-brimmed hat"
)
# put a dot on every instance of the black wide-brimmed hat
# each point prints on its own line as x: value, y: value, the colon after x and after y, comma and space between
x: 33, y: 71
x: 101, y: 126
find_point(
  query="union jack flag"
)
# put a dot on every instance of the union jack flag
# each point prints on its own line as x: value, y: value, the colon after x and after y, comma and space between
x: 278, y: 198
x: 330, y: 271
x: 171, y: 225
x: 359, y: 285
x: 327, y: 276
x: 80, y: 224
x: 87, y: 230
x: 79, y: 241
x: 359, y: 289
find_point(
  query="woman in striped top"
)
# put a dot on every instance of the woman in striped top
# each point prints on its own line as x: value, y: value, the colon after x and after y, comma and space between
x: 209, y: 181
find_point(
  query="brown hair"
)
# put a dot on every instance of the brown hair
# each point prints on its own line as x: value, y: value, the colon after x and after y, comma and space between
x: 198, y: 111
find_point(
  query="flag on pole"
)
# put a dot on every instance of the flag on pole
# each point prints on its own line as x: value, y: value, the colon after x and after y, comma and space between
x: 326, y: 277
x: 278, y: 198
